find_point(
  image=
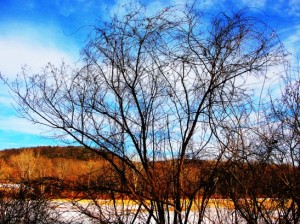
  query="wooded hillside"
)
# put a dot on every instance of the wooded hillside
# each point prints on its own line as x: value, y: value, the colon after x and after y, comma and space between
x: 65, y: 164
x: 62, y: 170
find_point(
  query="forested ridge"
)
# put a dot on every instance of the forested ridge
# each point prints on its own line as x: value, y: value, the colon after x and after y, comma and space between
x: 74, y: 171
x: 67, y: 152
x: 64, y: 163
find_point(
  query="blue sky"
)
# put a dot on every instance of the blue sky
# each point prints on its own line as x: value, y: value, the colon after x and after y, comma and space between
x: 35, y: 32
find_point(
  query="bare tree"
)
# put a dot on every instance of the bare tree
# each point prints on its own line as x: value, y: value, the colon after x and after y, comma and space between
x: 262, y: 170
x: 283, y: 140
x: 155, y: 89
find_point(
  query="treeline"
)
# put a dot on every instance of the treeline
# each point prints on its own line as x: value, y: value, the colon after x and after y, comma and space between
x: 48, y: 166
x: 67, y: 152
x: 76, y: 172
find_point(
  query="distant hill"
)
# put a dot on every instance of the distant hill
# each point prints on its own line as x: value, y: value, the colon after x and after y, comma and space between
x: 66, y: 152
x: 71, y: 171
x: 71, y: 164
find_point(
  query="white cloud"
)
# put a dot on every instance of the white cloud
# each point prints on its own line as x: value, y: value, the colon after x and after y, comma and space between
x: 16, y: 53
x: 5, y: 99
x: 19, y: 125
x: 286, y: 7
x: 35, y: 46
x: 24, y: 45
x: 294, y: 7
x: 292, y: 41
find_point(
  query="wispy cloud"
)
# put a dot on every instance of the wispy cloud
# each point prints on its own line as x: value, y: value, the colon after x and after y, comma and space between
x: 285, y: 8
x: 24, y: 45
x: 294, y: 7
x: 9, y: 139
x: 35, y: 46
x: 254, y: 3
x: 69, y: 7
x: 292, y: 41
x: 15, y: 124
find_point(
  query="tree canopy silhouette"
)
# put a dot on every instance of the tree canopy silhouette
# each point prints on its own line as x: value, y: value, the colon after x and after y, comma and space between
x: 161, y: 87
